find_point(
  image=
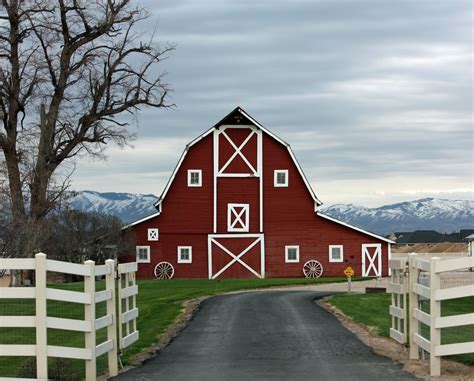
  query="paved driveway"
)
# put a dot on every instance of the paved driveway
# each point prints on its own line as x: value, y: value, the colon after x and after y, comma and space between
x: 277, y: 335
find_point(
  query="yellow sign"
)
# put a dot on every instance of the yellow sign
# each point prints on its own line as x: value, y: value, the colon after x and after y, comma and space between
x: 349, y: 272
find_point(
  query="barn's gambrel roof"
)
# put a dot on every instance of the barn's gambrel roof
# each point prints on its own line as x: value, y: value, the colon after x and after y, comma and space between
x: 230, y: 119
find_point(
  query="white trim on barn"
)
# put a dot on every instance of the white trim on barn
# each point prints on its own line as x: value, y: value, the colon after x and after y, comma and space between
x: 215, y: 142
x: 138, y: 259
x: 192, y: 172
x: 153, y: 234
x: 297, y: 259
x: 331, y: 254
x: 372, y: 261
x: 277, y: 184
x: 353, y: 227
x: 234, y: 217
x: 190, y: 254
x: 142, y: 220
x: 260, y: 171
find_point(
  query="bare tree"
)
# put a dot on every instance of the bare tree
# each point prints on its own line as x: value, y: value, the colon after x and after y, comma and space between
x: 70, y: 72
x: 74, y: 236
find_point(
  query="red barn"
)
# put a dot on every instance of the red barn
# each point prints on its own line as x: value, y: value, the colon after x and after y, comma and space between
x: 239, y: 205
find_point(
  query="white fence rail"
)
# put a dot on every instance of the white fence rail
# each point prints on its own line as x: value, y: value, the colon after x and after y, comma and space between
x: 425, y: 283
x: 89, y: 325
x: 128, y: 311
x: 398, y: 309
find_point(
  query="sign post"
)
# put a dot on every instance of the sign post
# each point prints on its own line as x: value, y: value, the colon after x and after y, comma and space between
x: 349, y: 273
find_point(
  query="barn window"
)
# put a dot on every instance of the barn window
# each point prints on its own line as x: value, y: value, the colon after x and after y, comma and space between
x: 336, y: 253
x: 185, y: 254
x: 153, y: 234
x: 194, y: 177
x: 238, y: 217
x: 280, y: 178
x: 143, y: 254
x: 292, y: 254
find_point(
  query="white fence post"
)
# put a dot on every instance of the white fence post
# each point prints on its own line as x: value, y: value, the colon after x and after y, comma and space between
x: 89, y: 315
x: 41, y: 317
x: 435, y: 313
x: 111, y: 310
x: 413, y: 303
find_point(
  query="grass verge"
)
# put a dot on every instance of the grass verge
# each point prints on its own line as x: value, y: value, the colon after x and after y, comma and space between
x: 372, y: 310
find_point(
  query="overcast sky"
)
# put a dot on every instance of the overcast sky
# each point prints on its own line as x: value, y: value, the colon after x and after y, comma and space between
x: 375, y: 97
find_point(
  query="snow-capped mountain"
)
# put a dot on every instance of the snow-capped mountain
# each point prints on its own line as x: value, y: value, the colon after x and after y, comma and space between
x: 427, y: 213
x: 126, y: 206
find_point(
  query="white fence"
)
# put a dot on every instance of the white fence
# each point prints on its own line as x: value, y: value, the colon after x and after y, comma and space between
x: 425, y: 283
x: 89, y: 325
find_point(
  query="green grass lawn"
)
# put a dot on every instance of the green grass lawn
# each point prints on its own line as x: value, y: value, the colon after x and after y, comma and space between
x: 372, y: 310
x: 159, y: 303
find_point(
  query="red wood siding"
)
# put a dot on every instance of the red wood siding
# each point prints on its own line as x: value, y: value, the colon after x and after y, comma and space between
x: 231, y: 190
x: 189, y: 209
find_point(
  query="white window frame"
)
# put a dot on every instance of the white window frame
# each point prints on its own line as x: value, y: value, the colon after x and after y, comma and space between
x: 190, y: 172
x: 151, y: 231
x: 288, y: 260
x: 230, y: 213
x: 275, y: 178
x: 331, y: 259
x: 137, y: 249
x: 190, y: 260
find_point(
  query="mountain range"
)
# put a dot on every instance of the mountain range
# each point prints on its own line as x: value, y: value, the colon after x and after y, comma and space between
x: 427, y: 213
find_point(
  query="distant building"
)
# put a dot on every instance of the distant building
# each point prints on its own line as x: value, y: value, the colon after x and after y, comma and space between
x: 470, y: 241
x: 430, y: 237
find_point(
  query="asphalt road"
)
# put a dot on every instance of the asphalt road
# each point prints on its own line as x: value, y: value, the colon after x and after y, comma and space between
x: 281, y: 335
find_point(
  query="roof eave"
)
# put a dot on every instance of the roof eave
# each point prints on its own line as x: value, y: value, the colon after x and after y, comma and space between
x: 330, y: 218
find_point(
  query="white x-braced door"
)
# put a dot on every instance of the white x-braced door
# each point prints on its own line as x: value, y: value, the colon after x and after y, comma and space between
x: 233, y: 150
x: 236, y: 255
x: 372, y: 259
x: 238, y: 217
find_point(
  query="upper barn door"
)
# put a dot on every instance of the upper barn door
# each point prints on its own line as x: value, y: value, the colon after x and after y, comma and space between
x: 238, y: 151
x: 372, y: 259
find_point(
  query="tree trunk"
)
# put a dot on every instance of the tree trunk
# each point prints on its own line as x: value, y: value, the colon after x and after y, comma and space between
x: 14, y: 183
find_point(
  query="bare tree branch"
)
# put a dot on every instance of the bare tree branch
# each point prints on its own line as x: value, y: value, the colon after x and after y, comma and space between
x: 69, y: 71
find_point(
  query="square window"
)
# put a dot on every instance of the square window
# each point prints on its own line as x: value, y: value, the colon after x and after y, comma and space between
x: 143, y: 254
x: 292, y: 254
x: 238, y: 217
x: 185, y: 254
x: 280, y: 178
x: 336, y: 253
x: 194, y: 177
x: 153, y: 234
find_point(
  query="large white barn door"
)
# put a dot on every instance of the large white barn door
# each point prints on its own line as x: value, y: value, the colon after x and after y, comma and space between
x: 372, y: 259
x: 231, y: 252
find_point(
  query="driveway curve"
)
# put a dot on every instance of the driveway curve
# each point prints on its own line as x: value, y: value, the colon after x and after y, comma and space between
x: 276, y: 335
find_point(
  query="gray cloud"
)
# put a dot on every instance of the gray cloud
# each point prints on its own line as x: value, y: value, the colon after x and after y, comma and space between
x: 362, y: 89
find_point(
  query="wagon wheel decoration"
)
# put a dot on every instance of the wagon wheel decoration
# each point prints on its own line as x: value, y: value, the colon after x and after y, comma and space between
x: 164, y: 270
x: 312, y: 269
